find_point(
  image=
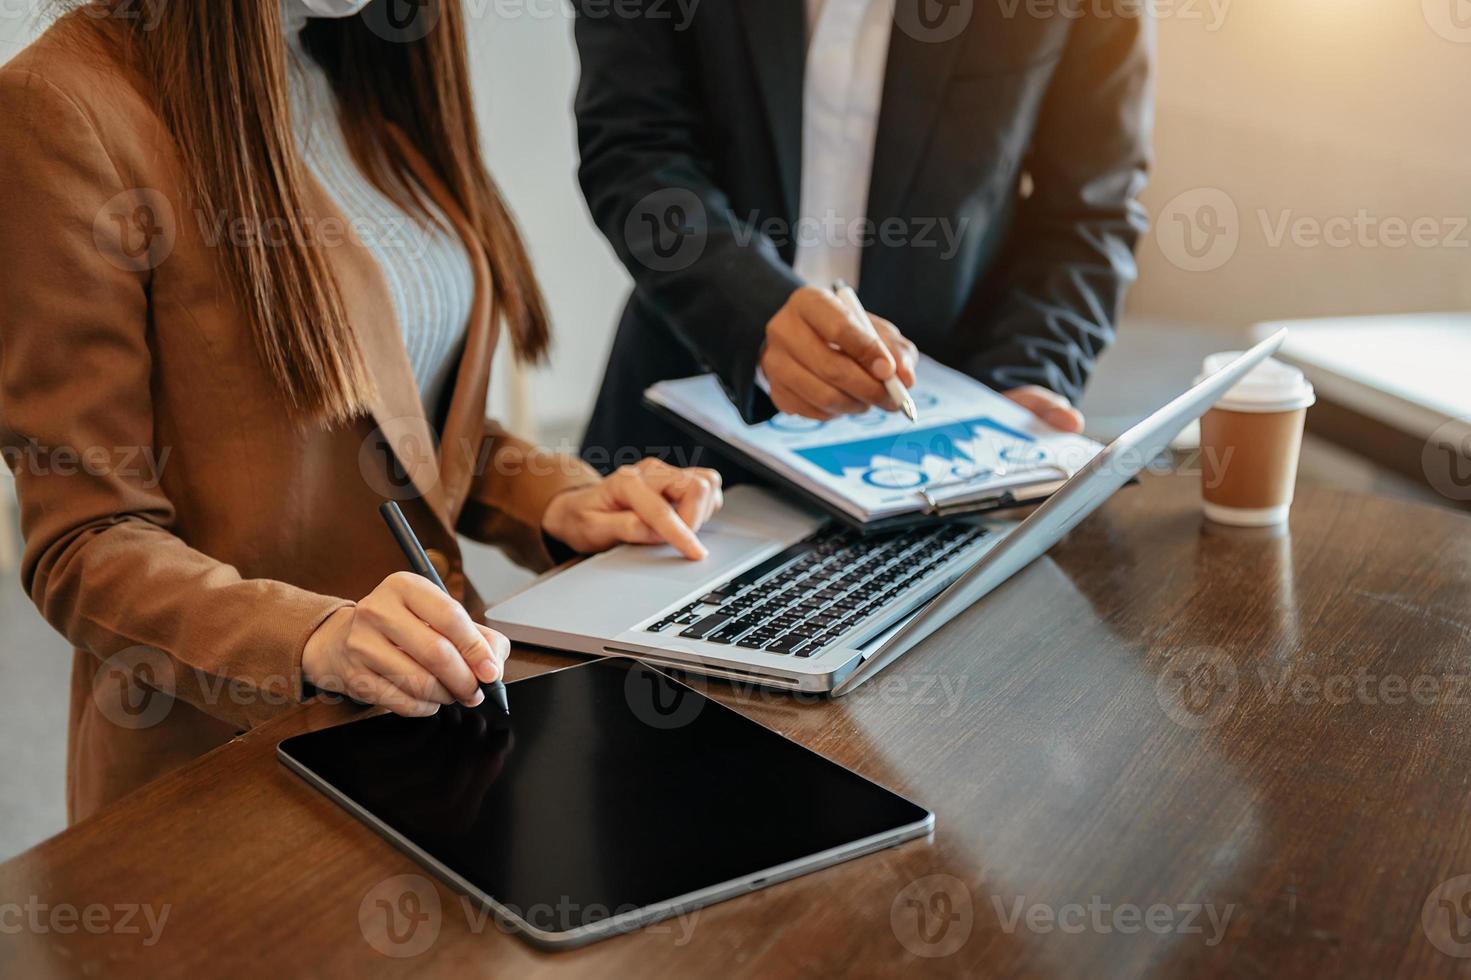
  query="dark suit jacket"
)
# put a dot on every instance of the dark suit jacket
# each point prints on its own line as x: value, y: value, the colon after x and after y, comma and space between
x: 1013, y: 141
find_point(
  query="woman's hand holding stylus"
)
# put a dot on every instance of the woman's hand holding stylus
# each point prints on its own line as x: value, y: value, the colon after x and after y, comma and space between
x: 408, y: 647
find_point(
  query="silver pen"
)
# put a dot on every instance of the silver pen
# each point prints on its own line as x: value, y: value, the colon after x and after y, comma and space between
x: 893, y: 385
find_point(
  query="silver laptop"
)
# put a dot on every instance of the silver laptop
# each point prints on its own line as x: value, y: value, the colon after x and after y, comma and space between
x: 790, y: 599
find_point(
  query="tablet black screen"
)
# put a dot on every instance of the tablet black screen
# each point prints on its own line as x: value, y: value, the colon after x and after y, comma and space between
x: 613, y: 788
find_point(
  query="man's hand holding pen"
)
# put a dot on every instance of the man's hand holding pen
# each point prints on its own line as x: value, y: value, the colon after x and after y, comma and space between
x: 825, y: 356
x: 821, y: 360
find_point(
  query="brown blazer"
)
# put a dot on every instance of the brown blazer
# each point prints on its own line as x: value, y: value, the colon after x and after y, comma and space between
x: 180, y: 531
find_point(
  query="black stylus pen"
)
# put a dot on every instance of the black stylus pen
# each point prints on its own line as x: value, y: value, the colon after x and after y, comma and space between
x: 414, y: 551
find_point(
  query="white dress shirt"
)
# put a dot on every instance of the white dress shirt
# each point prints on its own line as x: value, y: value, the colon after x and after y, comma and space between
x: 847, y: 48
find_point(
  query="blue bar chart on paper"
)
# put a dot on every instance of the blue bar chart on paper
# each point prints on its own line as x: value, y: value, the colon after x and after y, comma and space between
x: 877, y: 464
x: 916, y: 457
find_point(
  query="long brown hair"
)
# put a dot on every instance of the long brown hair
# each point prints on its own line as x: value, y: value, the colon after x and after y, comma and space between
x: 217, y: 71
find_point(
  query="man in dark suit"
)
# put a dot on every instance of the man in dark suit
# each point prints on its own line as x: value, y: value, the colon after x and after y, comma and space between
x: 973, y: 164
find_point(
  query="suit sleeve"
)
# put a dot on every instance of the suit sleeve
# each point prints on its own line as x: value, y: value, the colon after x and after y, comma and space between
x: 712, y: 279
x: 1059, y: 289
x: 102, y: 561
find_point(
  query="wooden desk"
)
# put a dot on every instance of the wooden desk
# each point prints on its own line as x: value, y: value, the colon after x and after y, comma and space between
x: 1308, y: 788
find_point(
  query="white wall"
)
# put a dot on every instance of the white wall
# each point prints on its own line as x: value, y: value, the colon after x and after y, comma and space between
x: 18, y: 24
x: 525, y: 69
x: 1345, y: 115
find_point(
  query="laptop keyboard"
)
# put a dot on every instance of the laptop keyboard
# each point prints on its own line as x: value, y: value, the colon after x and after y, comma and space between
x: 801, y: 599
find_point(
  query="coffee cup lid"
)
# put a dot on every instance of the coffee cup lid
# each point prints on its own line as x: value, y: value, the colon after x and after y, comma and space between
x: 1271, y: 386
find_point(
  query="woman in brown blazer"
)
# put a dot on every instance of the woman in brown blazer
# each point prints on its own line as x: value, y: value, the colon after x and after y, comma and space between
x: 211, y: 374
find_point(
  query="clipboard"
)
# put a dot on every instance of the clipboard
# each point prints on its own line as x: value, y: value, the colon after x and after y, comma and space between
x: 929, y: 510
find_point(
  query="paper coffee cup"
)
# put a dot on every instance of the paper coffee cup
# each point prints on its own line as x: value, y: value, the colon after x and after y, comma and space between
x: 1250, y: 441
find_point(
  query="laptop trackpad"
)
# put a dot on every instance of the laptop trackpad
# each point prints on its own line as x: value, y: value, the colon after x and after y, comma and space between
x: 600, y: 597
x: 727, y: 549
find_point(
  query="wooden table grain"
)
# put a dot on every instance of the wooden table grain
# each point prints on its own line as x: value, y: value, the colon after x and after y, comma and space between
x: 1168, y: 749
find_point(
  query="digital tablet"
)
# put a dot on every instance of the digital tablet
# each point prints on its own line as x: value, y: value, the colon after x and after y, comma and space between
x: 615, y: 797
